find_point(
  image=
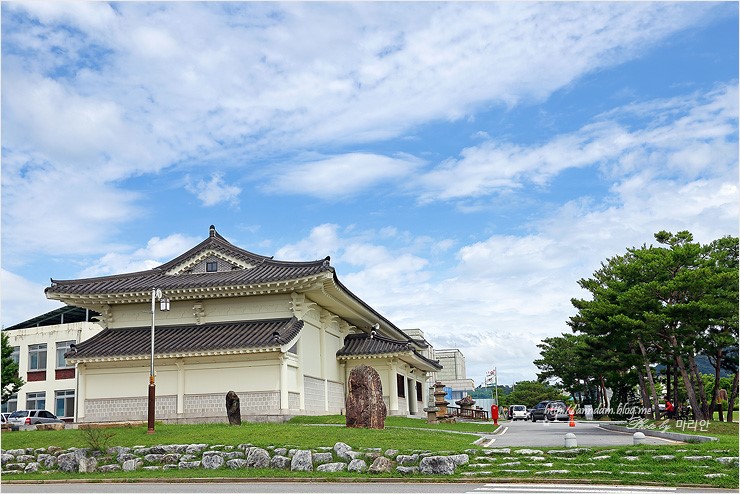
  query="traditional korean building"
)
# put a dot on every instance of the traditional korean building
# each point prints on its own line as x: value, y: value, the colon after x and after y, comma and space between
x: 283, y: 335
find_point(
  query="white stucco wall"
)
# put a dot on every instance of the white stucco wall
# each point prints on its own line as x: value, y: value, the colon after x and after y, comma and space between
x: 49, y: 335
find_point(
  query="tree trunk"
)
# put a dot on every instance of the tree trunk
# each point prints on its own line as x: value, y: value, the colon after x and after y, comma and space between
x: 700, y: 388
x: 732, y: 398
x: 651, y: 381
x: 715, y: 392
x: 695, y: 407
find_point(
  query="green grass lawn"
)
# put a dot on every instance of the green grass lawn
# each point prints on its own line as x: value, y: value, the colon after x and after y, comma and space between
x: 302, y: 432
x: 628, y: 465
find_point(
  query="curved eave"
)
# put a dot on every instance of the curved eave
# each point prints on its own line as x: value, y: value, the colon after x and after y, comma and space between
x: 408, y: 357
x: 175, y: 294
x: 334, y: 291
x: 147, y: 357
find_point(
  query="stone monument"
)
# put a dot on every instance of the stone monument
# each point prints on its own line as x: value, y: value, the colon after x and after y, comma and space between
x: 441, y: 404
x: 364, y: 404
x: 232, y: 409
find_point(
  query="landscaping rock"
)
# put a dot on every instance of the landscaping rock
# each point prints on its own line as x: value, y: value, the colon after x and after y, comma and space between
x: 551, y: 472
x: 6, y: 458
x: 153, y: 458
x: 302, y: 461
x: 280, y: 462
x: 258, y: 458
x: 109, y: 468
x: 133, y: 464
x: 697, y: 458
x: 186, y: 465
x: 437, y: 465
x: 68, y: 462
x: 458, y: 460
x: 407, y: 470
x: 406, y: 460
x: 331, y: 467
x: 381, y: 465
x: 87, y: 465
x: 195, y: 449
x: 31, y: 467
x: 357, y: 465
x: 321, y: 458
x: 47, y: 461
x: 664, y: 457
x: 342, y: 451
x: 236, y: 463
x: 212, y: 460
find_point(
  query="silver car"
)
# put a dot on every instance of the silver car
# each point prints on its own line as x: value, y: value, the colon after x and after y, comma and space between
x: 518, y: 412
x: 32, y: 417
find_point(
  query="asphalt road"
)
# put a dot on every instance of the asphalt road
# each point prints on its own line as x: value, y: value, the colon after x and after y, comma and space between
x: 552, y: 434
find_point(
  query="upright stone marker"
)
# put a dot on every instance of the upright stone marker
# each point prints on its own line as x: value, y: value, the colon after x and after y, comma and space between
x: 232, y: 409
x: 365, y: 406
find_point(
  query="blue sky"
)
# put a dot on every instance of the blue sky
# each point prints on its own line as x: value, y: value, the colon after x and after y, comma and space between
x: 464, y: 164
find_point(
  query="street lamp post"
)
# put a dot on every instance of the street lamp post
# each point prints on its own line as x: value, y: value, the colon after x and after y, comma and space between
x: 164, y: 306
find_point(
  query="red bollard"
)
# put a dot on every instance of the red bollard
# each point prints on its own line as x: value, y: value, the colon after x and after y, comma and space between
x: 494, y: 414
x: 571, y: 412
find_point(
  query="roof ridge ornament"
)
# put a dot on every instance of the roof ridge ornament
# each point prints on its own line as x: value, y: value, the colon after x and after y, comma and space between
x: 212, y: 231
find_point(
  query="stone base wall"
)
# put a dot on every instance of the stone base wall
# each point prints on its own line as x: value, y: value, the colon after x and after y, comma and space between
x: 314, y: 394
x: 136, y: 408
x: 336, y: 397
x: 314, y: 389
x: 294, y: 401
x: 201, y: 407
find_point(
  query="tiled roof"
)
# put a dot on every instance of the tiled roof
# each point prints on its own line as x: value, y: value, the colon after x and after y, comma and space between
x: 264, y: 270
x: 243, y: 335
x: 365, y: 345
x: 62, y: 315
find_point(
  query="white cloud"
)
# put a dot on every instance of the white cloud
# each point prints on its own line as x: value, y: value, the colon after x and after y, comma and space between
x: 22, y: 299
x: 157, y: 251
x: 116, y: 91
x: 214, y: 191
x: 340, y: 176
x: 701, y: 140
x: 321, y: 242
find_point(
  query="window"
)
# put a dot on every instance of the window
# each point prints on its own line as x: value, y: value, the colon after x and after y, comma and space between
x: 16, y: 355
x: 11, y: 405
x: 401, y: 385
x: 211, y: 267
x: 418, y: 392
x: 37, y: 357
x: 65, y: 403
x: 36, y: 400
x: 62, y: 348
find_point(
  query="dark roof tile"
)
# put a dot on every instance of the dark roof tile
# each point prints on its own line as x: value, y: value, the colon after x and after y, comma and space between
x: 363, y: 344
x: 128, y: 342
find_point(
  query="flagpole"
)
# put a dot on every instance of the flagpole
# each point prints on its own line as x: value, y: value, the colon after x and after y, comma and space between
x: 495, y: 376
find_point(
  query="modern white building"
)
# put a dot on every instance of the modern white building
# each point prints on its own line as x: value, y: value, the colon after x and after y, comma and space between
x: 39, y: 345
x: 283, y: 335
x: 453, y: 374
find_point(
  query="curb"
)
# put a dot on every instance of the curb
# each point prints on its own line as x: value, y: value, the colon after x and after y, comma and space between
x: 674, y: 436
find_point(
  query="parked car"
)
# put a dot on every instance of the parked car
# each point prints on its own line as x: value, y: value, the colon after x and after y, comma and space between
x: 550, y: 410
x: 557, y: 410
x: 32, y: 417
x: 518, y: 412
x: 538, y: 411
